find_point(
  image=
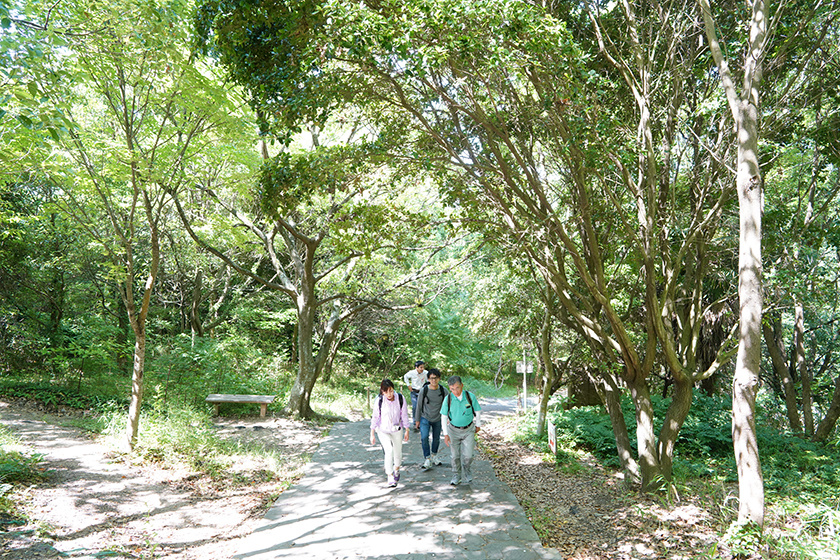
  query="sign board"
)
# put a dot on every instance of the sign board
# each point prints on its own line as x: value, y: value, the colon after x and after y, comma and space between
x: 552, y: 437
x: 521, y: 367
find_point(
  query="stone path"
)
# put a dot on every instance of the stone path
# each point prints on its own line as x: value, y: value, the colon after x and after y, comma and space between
x: 342, y: 509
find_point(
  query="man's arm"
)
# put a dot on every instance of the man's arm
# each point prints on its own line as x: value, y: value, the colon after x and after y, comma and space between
x: 476, y: 406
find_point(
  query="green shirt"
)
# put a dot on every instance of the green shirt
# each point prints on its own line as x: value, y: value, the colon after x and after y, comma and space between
x: 458, y: 410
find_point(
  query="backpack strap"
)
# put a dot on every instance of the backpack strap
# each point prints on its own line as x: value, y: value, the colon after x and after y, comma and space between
x: 380, y: 402
x: 449, y: 402
x: 421, y: 400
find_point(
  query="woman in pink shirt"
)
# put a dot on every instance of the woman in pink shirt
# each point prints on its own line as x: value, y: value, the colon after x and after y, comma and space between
x: 390, y: 422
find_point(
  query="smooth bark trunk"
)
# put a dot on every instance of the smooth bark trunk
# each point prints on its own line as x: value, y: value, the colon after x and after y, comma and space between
x: 548, y: 365
x: 612, y: 401
x: 802, y: 368
x: 646, y: 445
x: 136, y: 387
x: 674, y: 418
x: 301, y: 392
x: 828, y: 422
x: 773, y: 341
x: 744, y: 108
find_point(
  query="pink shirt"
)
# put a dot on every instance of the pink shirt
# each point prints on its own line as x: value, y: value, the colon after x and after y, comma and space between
x: 393, y: 416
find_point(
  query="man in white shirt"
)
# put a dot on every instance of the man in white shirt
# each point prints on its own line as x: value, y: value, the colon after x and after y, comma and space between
x: 415, y: 379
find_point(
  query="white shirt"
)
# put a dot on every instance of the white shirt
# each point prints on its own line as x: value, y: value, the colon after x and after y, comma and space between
x: 415, y: 379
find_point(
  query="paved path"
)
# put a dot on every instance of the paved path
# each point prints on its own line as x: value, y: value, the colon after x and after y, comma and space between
x: 342, y: 509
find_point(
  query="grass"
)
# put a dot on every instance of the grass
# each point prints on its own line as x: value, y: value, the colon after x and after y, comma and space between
x: 184, y: 438
x: 17, y: 471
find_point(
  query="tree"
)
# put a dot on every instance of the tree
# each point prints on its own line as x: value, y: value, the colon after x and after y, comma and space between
x: 801, y: 218
x: 498, y: 101
x: 326, y: 228
x: 141, y: 110
x: 744, y: 105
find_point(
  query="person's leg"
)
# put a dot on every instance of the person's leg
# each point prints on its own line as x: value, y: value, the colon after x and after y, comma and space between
x: 398, y: 445
x: 413, y: 403
x: 424, y: 437
x: 388, y: 447
x: 435, y: 426
x: 467, y: 452
x: 397, y: 441
x: 455, y: 451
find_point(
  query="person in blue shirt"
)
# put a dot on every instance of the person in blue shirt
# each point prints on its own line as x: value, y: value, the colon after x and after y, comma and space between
x: 461, y: 420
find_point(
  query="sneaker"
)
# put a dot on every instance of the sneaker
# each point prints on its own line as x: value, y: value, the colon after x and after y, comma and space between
x: 391, y: 482
x: 455, y: 481
x: 396, y: 477
x: 436, y: 461
x: 427, y: 464
x: 468, y: 480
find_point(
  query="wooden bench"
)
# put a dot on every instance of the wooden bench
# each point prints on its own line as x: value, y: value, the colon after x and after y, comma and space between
x: 262, y: 400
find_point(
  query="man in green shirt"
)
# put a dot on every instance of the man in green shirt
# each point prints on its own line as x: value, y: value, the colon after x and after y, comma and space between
x: 461, y: 418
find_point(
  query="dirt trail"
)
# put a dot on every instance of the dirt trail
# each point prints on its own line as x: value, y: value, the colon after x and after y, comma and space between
x: 93, y: 502
x: 95, y: 505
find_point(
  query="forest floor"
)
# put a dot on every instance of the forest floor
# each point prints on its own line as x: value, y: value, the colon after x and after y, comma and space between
x: 96, y: 504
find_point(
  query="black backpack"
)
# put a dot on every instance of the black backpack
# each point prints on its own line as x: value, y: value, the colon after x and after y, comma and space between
x: 424, y: 397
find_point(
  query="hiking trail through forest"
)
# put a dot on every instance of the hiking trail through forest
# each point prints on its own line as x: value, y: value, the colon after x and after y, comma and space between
x: 94, y: 503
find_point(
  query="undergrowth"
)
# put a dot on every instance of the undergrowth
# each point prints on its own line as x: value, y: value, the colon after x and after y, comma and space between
x: 183, y: 437
x: 18, y: 470
x: 802, y: 519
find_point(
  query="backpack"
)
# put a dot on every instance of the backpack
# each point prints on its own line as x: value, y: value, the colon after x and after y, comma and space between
x: 469, y: 400
x: 380, y: 402
x: 424, y: 397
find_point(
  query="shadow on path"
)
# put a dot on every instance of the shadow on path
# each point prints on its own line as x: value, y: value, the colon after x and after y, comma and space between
x: 342, y: 509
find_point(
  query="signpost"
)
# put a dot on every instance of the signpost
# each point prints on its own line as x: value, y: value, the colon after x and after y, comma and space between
x: 524, y: 367
x: 552, y: 437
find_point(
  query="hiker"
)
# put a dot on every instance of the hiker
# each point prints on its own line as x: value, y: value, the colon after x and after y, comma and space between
x: 427, y: 417
x: 390, y: 422
x: 415, y: 379
x: 461, y: 418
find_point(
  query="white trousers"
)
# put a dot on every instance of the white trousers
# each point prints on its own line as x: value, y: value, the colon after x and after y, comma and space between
x: 391, y: 443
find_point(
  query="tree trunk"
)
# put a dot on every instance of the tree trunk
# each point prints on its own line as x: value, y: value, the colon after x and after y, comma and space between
x: 802, y: 367
x: 773, y: 340
x: 674, y: 418
x: 301, y: 392
x: 196, y: 328
x: 650, y: 468
x: 136, y: 385
x: 744, y: 110
x: 611, y: 396
x: 828, y: 422
x: 747, y: 368
x: 548, y: 364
